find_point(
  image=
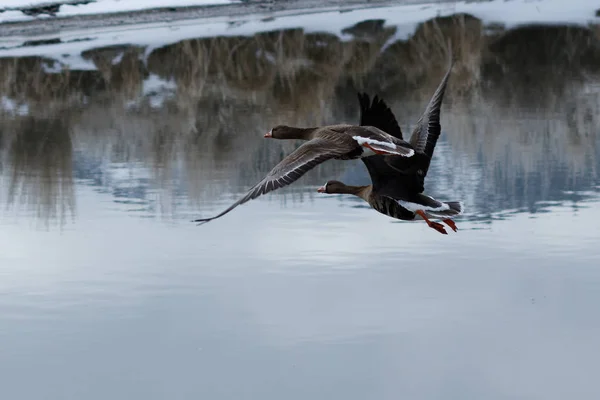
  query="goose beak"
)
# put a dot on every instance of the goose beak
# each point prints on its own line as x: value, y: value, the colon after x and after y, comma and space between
x: 322, y: 189
x: 269, y: 134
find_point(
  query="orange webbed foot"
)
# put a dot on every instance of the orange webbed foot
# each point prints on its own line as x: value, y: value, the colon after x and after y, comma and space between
x: 435, y: 225
x: 438, y: 227
x: 451, y: 224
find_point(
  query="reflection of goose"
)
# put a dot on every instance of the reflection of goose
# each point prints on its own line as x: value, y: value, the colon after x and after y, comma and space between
x: 398, y: 184
x: 342, y: 142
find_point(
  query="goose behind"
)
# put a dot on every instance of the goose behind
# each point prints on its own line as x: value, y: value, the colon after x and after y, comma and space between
x: 398, y: 184
x: 366, y: 140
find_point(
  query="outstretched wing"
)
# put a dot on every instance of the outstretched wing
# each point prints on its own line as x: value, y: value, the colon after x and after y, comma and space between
x: 425, y: 135
x: 428, y: 129
x: 384, y: 177
x: 290, y: 169
x: 378, y: 114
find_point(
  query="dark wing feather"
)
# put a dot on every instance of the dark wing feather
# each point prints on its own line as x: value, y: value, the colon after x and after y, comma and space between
x: 388, y: 181
x: 379, y: 115
x: 428, y: 128
x: 384, y: 177
x: 290, y: 169
x: 409, y: 175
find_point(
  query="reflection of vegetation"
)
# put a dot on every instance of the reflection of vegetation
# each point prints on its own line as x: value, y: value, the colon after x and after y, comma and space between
x: 536, y: 66
x: 41, y: 178
x: 414, y: 66
x: 121, y: 68
x: 517, y: 96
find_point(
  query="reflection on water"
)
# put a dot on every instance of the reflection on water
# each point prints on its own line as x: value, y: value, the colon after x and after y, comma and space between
x: 175, y: 125
x: 298, y: 295
x: 40, y: 162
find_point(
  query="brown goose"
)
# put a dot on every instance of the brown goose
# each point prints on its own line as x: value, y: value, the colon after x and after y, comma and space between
x: 359, y: 141
x: 398, y: 184
x: 422, y: 205
x: 343, y: 142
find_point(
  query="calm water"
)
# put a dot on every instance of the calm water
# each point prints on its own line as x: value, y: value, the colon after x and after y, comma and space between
x: 108, y: 291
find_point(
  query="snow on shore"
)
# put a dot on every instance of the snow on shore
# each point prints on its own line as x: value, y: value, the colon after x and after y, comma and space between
x: 66, y: 47
x: 67, y: 8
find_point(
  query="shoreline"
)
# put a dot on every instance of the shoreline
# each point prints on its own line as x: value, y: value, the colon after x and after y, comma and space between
x: 271, y: 8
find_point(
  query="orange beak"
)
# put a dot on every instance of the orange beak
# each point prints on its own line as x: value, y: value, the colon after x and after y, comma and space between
x: 322, y: 189
x: 269, y: 134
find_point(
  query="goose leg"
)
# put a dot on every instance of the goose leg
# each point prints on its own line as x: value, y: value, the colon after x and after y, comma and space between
x: 437, y: 226
x: 451, y: 224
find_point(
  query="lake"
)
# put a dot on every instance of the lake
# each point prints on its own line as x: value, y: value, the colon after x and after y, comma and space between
x: 111, y: 142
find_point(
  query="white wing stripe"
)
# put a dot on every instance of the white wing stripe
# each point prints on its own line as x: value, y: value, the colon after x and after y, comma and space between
x: 415, y: 206
x: 362, y: 140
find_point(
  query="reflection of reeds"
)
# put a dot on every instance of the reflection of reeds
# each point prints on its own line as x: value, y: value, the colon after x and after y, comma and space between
x: 230, y: 90
x: 41, y: 180
x: 122, y: 69
x: 528, y: 156
x: 412, y: 68
x: 28, y: 79
x: 292, y: 70
x: 532, y: 66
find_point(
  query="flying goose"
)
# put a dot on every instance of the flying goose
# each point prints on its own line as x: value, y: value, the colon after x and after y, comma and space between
x: 342, y: 142
x: 398, y: 184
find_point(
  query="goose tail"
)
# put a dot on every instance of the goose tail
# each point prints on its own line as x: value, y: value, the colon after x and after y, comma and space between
x: 454, y: 208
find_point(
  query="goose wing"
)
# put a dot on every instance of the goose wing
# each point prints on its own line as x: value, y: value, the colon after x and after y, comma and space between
x: 378, y: 114
x: 428, y: 129
x: 387, y: 181
x: 290, y: 169
x: 384, y: 178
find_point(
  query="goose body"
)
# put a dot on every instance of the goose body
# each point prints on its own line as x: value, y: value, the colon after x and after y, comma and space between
x: 398, y: 184
x: 342, y: 142
x: 421, y: 206
x: 353, y: 140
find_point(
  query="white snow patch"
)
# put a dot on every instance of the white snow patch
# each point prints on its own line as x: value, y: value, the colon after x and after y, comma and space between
x: 14, y: 16
x: 405, y: 18
x: 156, y: 91
x: 13, y: 7
x: 11, y: 106
x: 29, y: 3
x: 155, y: 84
x: 53, y: 68
x: 118, y: 58
x: 58, y: 63
x: 156, y: 101
x: 111, y: 6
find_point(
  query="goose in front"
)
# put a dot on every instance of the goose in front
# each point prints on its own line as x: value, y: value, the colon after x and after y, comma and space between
x: 397, y: 185
x: 342, y: 142
x: 421, y: 205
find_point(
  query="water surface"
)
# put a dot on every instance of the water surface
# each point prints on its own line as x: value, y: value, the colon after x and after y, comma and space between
x: 107, y: 290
